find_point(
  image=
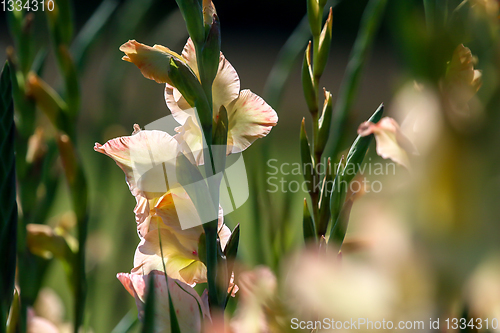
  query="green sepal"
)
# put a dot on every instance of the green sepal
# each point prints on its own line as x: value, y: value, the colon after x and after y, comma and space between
x: 231, y: 249
x: 210, y: 54
x: 308, y: 227
x: 187, y: 83
x: 324, y: 43
x: 220, y: 140
x: 193, y: 15
x: 358, y: 149
x: 324, y: 123
x: 14, y: 313
x: 306, y: 158
x: 308, y: 82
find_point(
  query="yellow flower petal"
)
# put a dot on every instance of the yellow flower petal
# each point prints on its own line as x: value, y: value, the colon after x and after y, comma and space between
x: 176, y: 255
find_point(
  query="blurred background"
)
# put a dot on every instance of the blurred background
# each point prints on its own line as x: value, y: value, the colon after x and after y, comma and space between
x: 445, y: 212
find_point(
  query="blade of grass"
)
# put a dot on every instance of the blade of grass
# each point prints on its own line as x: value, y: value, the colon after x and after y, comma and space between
x: 174, y: 324
x: 127, y: 323
x: 369, y: 26
x: 149, y: 307
x: 8, y: 204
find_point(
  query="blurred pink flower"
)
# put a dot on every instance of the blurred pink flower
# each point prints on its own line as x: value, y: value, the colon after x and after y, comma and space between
x: 391, y: 142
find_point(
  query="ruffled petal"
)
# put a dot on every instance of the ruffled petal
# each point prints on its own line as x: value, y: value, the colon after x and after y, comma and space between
x: 147, y: 158
x: 152, y: 61
x: 250, y: 118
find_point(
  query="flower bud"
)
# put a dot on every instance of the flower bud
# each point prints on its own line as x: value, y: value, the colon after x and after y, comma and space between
x: 323, y: 46
x: 210, y: 55
x: 308, y: 226
x: 324, y: 123
x: 48, y: 100
x: 314, y: 15
x: 193, y: 15
x: 308, y: 82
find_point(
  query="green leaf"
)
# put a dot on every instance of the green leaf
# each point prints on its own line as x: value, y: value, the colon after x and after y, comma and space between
x: 8, y: 205
x: 148, y: 325
x: 91, y: 30
x: 358, y: 149
x: 308, y: 227
x: 370, y: 22
x: 339, y: 229
x: 339, y: 191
